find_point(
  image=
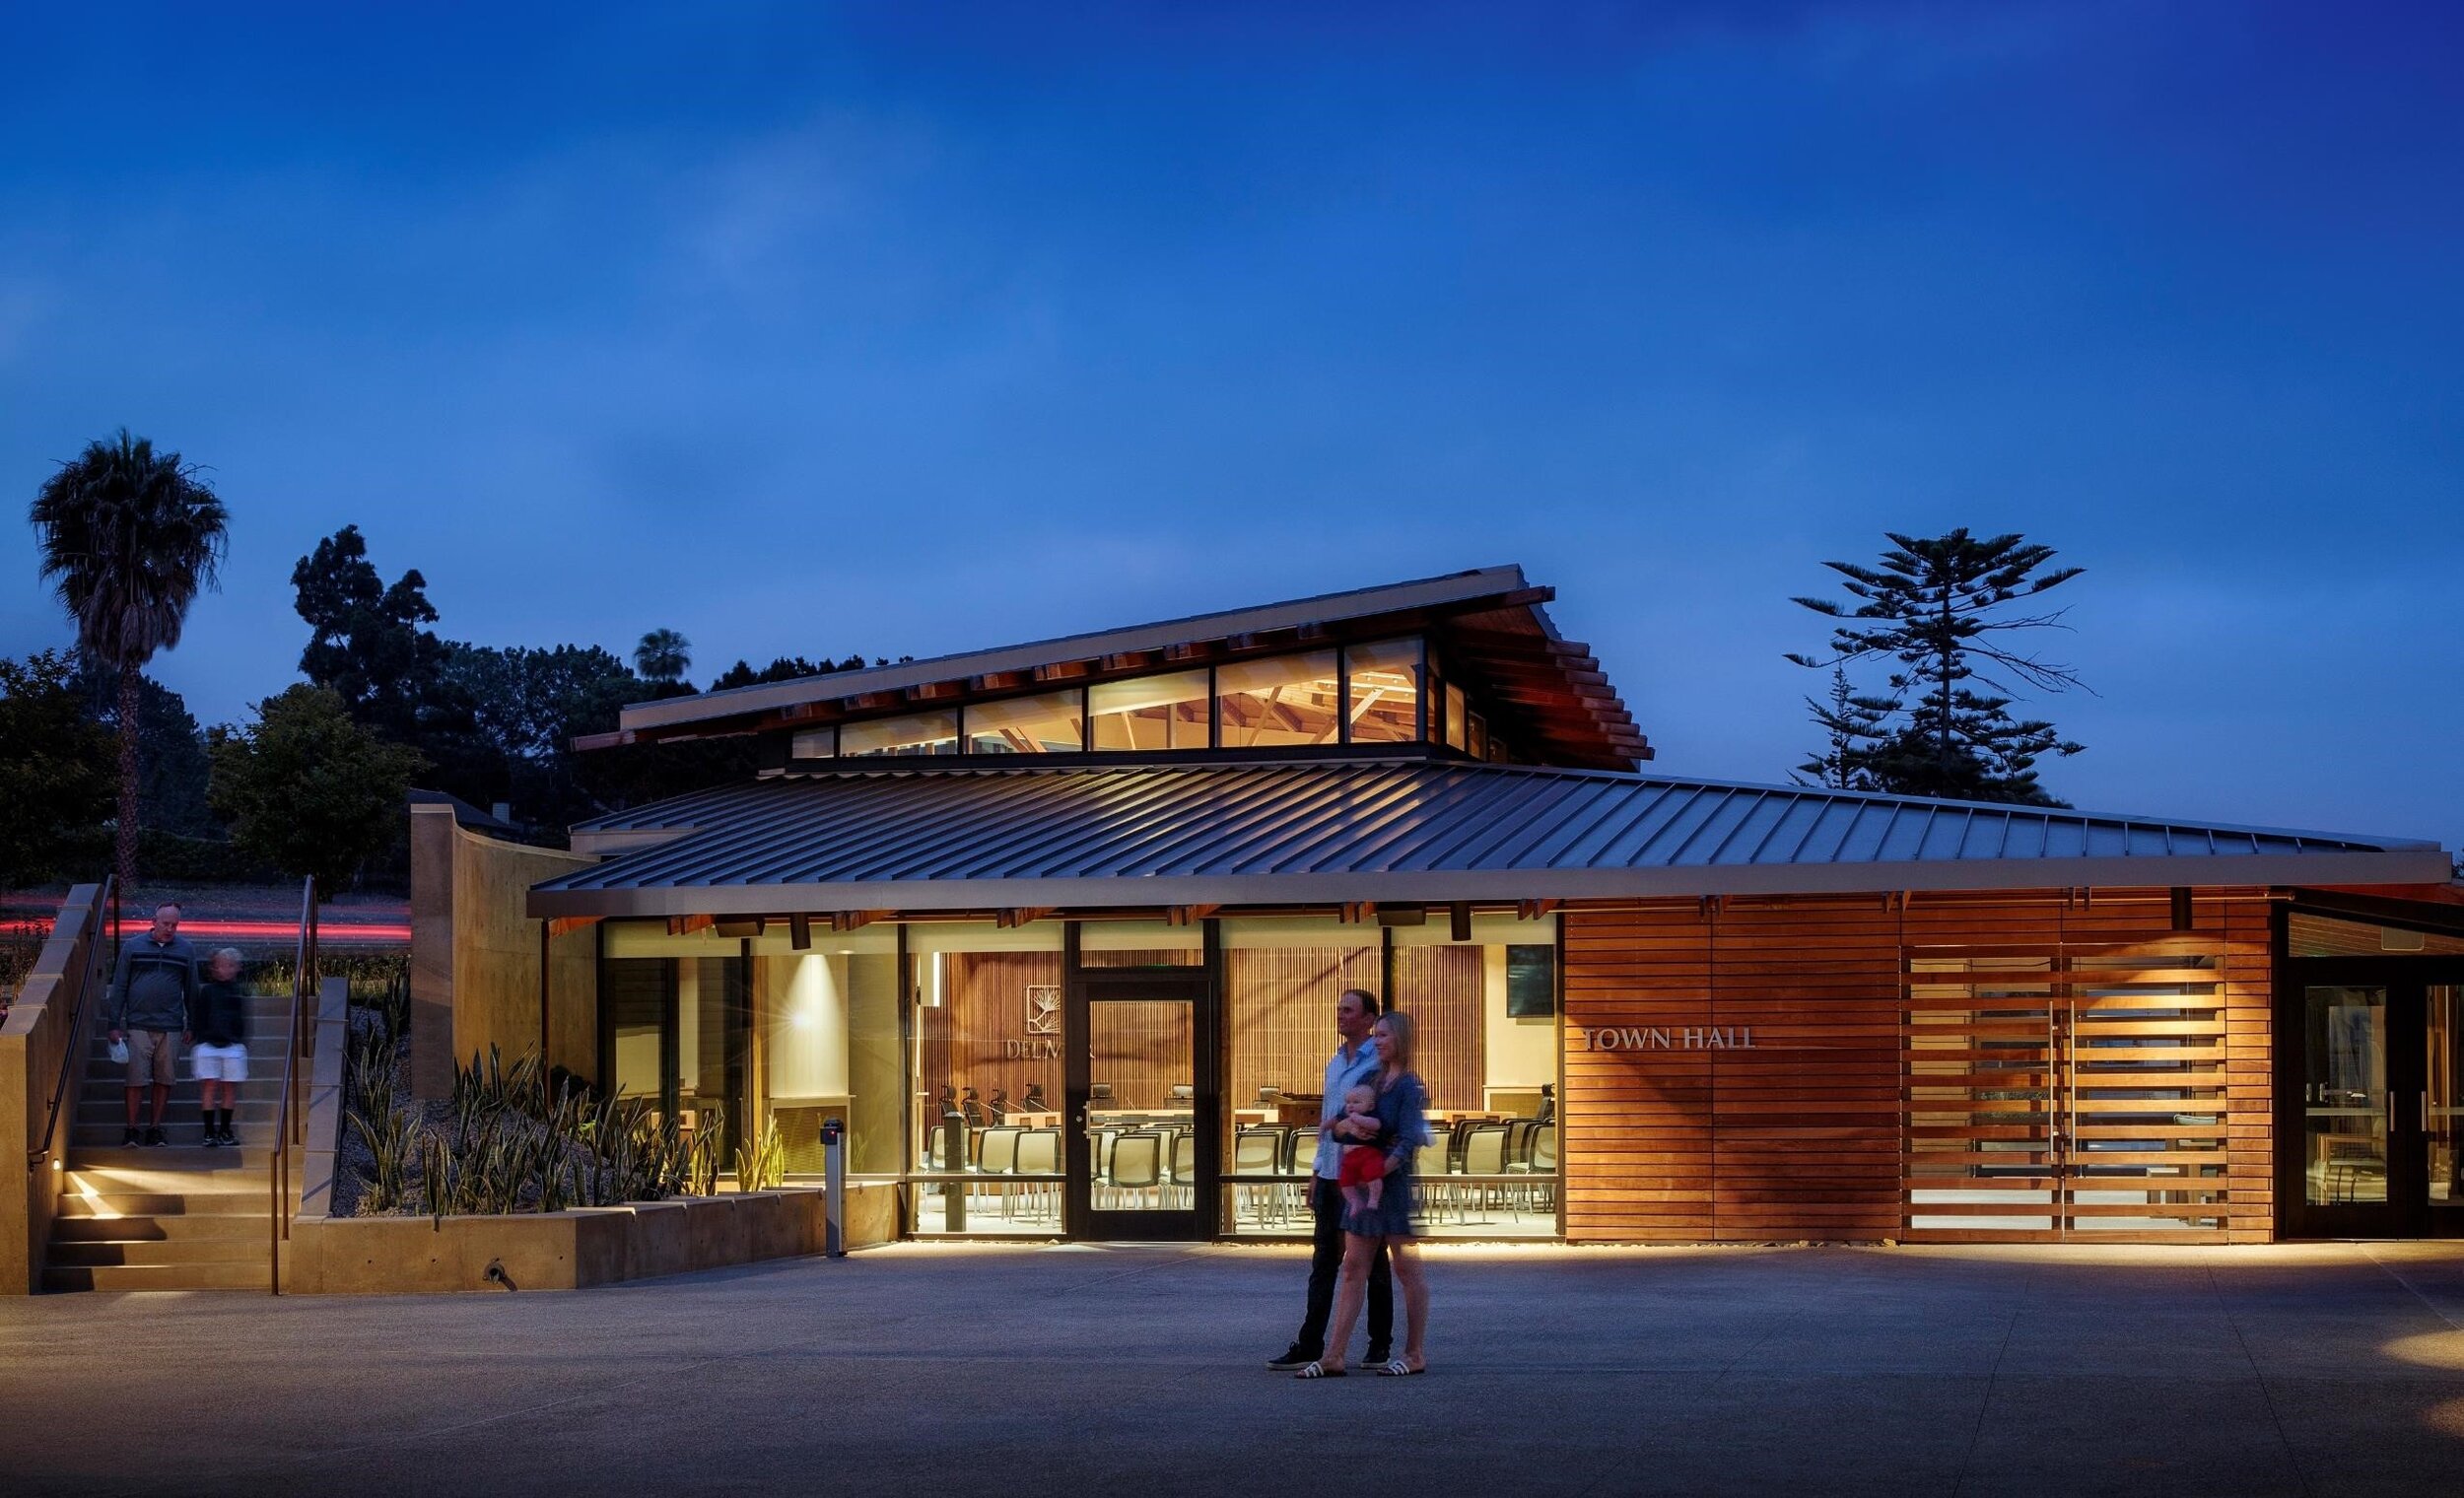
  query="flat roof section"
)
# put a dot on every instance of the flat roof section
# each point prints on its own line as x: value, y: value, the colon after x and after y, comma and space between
x: 1326, y: 832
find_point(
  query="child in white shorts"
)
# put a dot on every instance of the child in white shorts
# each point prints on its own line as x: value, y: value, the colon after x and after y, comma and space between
x: 219, y: 1054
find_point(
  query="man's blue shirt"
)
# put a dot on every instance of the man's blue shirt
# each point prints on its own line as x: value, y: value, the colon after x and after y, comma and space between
x: 1343, y: 1072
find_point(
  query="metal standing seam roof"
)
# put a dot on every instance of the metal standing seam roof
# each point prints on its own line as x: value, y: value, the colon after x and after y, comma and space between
x: 919, y: 839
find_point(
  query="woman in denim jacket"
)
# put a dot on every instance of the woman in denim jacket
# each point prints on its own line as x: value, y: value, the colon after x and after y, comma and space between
x: 1402, y: 1128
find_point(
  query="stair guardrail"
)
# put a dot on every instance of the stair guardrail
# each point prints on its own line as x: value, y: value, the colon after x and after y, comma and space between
x: 291, y: 1121
x: 99, y: 942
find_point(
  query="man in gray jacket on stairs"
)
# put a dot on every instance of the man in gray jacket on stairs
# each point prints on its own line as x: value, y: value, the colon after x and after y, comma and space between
x: 152, y: 990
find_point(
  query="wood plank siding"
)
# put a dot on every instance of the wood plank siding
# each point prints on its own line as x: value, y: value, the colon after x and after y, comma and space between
x: 2021, y: 1064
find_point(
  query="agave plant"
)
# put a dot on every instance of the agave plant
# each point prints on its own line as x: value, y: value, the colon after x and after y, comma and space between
x: 436, y: 1175
x: 761, y: 1163
x: 373, y: 1068
x: 703, y: 1160
x: 393, y: 1009
x: 555, y: 1182
x: 394, y: 1141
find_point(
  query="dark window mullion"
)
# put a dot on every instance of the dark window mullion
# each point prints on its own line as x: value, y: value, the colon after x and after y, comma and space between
x: 1342, y: 695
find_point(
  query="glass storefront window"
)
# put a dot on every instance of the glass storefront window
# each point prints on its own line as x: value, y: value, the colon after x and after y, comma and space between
x: 2345, y: 1112
x: 714, y: 1047
x: 1486, y: 1017
x: 827, y: 1047
x: 1166, y: 711
x: 1384, y: 682
x: 2310, y: 935
x: 986, y: 1071
x: 636, y: 997
x: 1048, y: 723
x: 1282, y: 701
x: 791, y: 1038
x: 1280, y: 982
x: 1378, y: 697
x: 915, y: 734
x: 678, y: 1015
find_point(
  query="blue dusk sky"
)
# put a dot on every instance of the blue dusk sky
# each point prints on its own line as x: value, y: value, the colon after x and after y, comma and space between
x: 903, y: 329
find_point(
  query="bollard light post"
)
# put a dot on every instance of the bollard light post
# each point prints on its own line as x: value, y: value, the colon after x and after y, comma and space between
x: 834, y: 1188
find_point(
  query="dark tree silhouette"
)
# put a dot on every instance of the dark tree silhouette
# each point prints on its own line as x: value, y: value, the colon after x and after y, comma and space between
x: 664, y: 656
x: 54, y: 778
x: 783, y: 669
x: 129, y: 536
x: 1936, y: 608
x: 1852, y: 726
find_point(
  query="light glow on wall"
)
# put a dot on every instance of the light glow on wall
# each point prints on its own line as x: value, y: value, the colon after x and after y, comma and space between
x: 809, y: 1053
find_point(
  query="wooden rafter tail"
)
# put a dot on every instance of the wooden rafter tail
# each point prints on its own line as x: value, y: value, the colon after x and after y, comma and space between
x: 843, y: 922
x: 565, y: 925
x: 1188, y: 914
x: 1013, y: 916
x: 686, y: 925
x: 1534, y: 909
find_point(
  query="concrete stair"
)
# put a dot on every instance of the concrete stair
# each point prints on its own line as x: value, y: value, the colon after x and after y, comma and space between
x: 179, y: 1216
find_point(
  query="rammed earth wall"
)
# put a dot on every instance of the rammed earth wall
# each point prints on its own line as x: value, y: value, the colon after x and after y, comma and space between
x: 572, y: 1250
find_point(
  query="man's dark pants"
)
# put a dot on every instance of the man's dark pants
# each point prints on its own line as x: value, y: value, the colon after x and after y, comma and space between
x: 1326, y: 1265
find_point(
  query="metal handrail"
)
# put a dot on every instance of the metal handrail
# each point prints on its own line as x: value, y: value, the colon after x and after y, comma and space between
x: 289, y: 1121
x: 96, y: 930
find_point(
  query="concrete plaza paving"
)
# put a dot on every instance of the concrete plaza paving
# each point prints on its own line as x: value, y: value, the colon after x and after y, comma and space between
x: 963, y: 1371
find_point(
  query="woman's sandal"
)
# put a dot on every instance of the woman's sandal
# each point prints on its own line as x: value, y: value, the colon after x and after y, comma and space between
x: 1396, y: 1368
x: 1319, y: 1371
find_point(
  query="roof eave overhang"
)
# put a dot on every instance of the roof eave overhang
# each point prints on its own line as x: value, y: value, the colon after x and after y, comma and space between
x: 2345, y: 867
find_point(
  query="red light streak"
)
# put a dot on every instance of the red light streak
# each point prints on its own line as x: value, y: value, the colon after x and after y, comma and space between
x: 371, y: 932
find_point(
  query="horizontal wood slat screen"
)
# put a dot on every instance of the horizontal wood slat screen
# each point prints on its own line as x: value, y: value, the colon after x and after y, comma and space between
x: 2071, y: 1093
x: 1816, y: 1067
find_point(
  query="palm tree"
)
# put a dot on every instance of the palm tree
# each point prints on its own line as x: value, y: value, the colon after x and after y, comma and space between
x: 128, y: 536
x: 664, y: 656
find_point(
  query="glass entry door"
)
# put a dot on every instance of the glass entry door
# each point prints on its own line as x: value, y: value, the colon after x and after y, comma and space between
x: 1141, y: 1104
x: 2380, y: 1141
x: 2443, y: 1106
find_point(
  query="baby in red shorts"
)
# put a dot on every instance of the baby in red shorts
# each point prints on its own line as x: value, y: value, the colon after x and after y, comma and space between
x: 1361, y: 1173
